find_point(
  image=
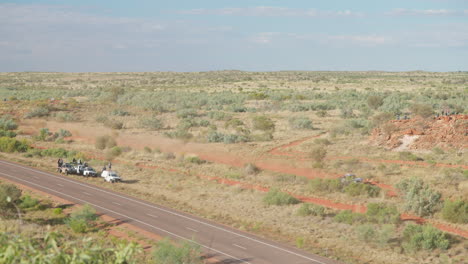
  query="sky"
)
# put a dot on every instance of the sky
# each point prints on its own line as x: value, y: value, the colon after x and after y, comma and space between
x: 249, y: 35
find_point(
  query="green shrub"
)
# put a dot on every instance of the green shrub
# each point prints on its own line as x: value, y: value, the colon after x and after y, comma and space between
x: 114, y: 124
x: 7, y: 123
x: 263, y: 123
x: 147, y: 149
x: 348, y: 217
x: 120, y: 112
x: 38, y: 112
x: 381, y: 118
x: 406, y: 155
x: 366, y: 232
x: 28, y: 202
x: 419, y: 197
x: 300, y: 123
x: 7, y: 133
x: 151, y: 123
x: 374, y: 101
x: 113, y: 153
x: 311, y: 209
x: 422, y: 110
x: 318, y: 154
x: 276, y: 197
x: 103, y: 142
x: 58, y: 211
x: 65, y: 117
x: 12, y: 145
x: 417, y: 237
x: 251, y: 169
x: 81, y: 220
x: 77, y: 225
x: 356, y: 189
x: 382, y: 213
x: 322, y: 141
x: 322, y: 113
x: 195, y: 159
x: 325, y: 185
x: 455, y: 211
x: 13, y: 194
x: 168, y: 253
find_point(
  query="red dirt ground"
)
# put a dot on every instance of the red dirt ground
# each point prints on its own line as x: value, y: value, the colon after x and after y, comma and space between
x: 444, y: 132
x: 217, y: 155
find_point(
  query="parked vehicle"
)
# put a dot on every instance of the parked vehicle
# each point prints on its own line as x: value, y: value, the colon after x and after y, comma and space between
x: 67, y: 168
x: 88, y: 171
x: 110, y: 176
x: 78, y: 169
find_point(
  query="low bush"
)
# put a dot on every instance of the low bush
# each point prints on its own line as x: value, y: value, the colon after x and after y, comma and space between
x: 325, y: 185
x: 300, y: 123
x: 263, y: 123
x: 7, y: 133
x: 357, y: 189
x: 419, y: 197
x: 38, y: 112
x: 151, y: 123
x: 194, y: 159
x: 58, y: 211
x: 10, y: 195
x: 406, y: 155
x: 417, y: 237
x: 10, y: 145
x: 113, y: 152
x: 322, y: 141
x: 311, y: 209
x: 422, y: 110
x: 103, y: 142
x: 120, y: 112
x: 81, y: 220
x: 382, y: 213
x: 28, y: 202
x: 167, y: 252
x: 455, y: 211
x: 114, y: 124
x: 251, y: 169
x: 7, y: 123
x: 65, y: 117
x: 374, y: 101
x: 348, y: 217
x: 276, y: 197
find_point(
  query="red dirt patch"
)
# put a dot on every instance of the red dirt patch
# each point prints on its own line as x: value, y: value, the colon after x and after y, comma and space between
x: 444, y: 132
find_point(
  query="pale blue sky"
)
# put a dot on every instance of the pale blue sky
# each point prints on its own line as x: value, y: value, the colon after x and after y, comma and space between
x: 252, y: 35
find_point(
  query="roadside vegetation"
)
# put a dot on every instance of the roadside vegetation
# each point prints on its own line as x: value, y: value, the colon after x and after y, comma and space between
x: 209, y: 142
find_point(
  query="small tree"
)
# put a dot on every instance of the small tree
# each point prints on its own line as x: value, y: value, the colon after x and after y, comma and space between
x: 318, y: 154
x: 455, y: 211
x: 10, y: 196
x: 263, y: 123
x: 422, y: 110
x: 187, y: 253
x: 374, y: 101
x: 419, y: 197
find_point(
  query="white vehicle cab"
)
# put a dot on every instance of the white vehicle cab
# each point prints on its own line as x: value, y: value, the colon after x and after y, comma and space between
x: 88, y: 171
x: 110, y: 176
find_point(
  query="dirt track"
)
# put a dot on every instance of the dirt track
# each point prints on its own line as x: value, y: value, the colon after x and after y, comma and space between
x: 218, y: 155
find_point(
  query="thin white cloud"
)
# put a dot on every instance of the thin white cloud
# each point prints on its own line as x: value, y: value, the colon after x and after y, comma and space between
x: 361, y: 40
x: 271, y: 11
x: 426, y: 12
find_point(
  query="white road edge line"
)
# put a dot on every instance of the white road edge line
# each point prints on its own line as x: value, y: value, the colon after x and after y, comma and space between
x: 59, y: 184
x: 167, y: 211
x: 88, y: 194
x: 136, y: 220
x: 116, y: 203
x: 239, y: 246
x: 191, y: 229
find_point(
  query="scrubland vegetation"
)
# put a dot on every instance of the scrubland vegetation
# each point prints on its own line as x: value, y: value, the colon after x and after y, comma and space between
x: 242, y: 127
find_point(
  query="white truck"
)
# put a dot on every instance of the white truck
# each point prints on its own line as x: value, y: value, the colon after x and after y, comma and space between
x: 110, y: 176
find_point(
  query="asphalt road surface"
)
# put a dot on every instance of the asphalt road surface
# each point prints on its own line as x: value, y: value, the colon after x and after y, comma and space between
x: 228, y: 245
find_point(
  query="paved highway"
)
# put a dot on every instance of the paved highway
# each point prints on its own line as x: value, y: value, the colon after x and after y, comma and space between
x: 227, y: 244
